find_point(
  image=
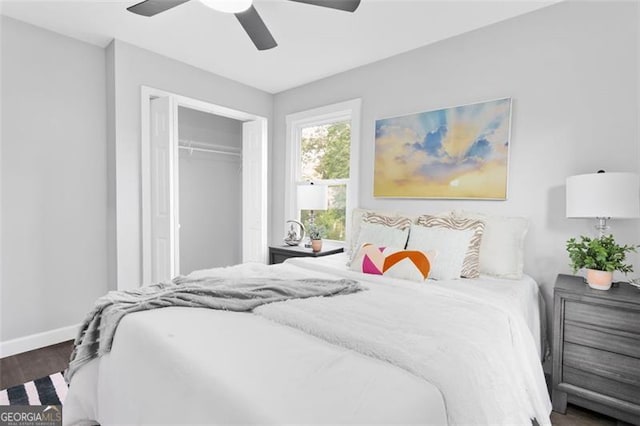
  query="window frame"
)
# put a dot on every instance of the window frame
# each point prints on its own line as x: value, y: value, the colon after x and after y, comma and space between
x: 342, y: 111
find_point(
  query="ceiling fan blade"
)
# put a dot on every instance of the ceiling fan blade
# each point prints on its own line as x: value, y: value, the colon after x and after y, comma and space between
x: 153, y: 7
x: 256, y: 29
x: 346, y: 5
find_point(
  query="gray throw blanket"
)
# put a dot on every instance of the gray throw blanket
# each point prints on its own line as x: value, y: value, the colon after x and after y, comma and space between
x: 232, y: 294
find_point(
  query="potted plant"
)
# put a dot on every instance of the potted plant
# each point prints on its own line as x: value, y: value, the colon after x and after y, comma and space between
x: 600, y: 257
x: 315, y: 235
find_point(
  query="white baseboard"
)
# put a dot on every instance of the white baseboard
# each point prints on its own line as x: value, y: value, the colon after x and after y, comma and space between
x: 38, y: 340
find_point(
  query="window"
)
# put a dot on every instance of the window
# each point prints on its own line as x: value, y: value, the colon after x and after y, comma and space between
x: 324, y: 159
x: 322, y: 148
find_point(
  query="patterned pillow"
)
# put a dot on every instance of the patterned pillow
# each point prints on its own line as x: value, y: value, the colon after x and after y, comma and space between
x: 398, y: 222
x: 381, y: 230
x: 471, y: 263
x: 392, y: 262
x: 502, y: 246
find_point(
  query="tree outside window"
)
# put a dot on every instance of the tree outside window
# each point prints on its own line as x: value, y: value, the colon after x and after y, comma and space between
x: 324, y: 159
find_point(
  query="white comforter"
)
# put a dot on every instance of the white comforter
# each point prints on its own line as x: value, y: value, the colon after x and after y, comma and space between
x: 477, y: 350
x: 442, y: 347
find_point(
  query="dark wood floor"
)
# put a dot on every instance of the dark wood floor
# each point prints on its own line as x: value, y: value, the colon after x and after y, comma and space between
x: 27, y: 366
x: 576, y: 416
x: 31, y: 365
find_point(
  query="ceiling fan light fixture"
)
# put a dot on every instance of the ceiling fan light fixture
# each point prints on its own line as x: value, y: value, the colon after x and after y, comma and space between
x: 228, y: 6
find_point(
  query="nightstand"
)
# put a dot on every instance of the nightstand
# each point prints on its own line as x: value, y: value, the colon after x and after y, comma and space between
x: 278, y: 254
x: 596, y: 348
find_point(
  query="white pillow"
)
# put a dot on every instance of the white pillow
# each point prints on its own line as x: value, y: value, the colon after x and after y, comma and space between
x: 370, y: 217
x: 502, y: 245
x: 357, y: 219
x: 450, y: 244
x: 381, y: 235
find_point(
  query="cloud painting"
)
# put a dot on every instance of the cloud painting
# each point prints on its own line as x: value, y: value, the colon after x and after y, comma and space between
x: 459, y: 152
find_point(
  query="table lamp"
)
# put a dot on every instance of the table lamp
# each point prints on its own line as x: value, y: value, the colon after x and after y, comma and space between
x: 603, y: 196
x: 312, y: 197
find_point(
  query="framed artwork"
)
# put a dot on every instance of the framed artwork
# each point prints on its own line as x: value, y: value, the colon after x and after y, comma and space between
x: 460, y: 152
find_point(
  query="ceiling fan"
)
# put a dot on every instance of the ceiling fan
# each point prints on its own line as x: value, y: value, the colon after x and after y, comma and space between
x: 244, y: 11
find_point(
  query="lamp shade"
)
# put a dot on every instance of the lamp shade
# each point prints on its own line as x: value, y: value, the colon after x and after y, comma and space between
x: 604, y: 195
x: 312, y: 197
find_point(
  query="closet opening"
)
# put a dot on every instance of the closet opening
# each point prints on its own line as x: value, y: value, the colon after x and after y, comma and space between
x: 204, y: 186
x: 209, y: 190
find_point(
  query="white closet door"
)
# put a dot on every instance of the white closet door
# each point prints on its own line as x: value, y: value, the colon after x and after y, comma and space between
x: 164, y: 174
x: 254, y: 191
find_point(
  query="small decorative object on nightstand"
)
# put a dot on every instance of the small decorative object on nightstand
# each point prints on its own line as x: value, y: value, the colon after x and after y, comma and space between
x: 600, y: 257
x: 596, y: 348
x: 315, y: 235
x: 295, y: 234
x: 278, y: 254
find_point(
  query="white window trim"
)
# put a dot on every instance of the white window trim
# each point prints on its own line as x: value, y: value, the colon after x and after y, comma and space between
x: 347, y: 110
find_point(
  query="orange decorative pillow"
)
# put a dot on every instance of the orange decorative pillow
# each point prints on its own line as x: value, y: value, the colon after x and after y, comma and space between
x: 411, y: 265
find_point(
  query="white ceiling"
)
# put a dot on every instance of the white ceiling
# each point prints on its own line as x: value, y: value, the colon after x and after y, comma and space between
x: 313, y: 42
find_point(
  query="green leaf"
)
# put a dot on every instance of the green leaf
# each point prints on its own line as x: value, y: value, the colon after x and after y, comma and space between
x: 602, y: 253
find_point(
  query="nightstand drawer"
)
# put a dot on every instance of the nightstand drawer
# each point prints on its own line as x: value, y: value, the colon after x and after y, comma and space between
x: 278, y: 258
x: 614, y: 388
x: 594, y: 337
x: 621, y: 368
x: 603, y: 316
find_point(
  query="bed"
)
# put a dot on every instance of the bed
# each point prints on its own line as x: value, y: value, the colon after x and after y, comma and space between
x: 461, y: 351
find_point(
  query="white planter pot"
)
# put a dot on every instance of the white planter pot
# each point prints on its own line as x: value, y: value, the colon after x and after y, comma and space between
x: 599, y: 280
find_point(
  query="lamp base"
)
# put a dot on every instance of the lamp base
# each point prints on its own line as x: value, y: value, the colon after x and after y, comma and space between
x: 602, y: 227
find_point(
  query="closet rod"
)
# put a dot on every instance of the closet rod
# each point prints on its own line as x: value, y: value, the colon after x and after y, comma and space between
x: 214, y: 151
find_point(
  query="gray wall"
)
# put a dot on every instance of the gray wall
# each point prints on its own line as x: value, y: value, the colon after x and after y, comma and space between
x: 54, y: 179
x: 210, y: 193
x: 209, y: 128
x: 130, y: 68
x: 572, y: 71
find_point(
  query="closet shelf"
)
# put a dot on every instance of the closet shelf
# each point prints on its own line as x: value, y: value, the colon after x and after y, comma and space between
x: 214, y: 149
